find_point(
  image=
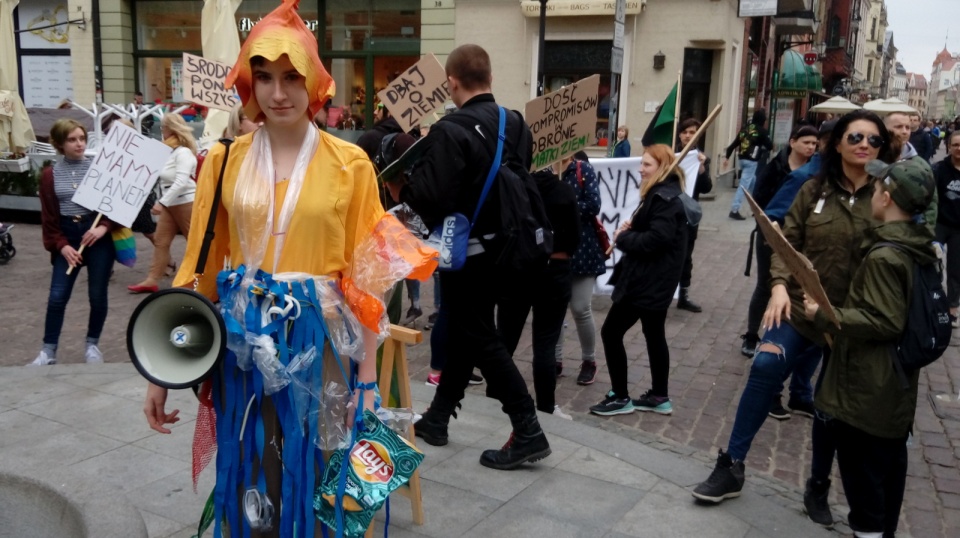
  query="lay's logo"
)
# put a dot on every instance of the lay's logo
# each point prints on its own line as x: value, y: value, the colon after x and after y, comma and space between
x: 371, y: 461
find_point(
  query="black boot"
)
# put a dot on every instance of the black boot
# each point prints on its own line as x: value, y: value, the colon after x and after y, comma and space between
x: 432, y: 426
x: 526, y: 443
x: 684, y: 302
x: 815, y: 502
x: 749, y: 347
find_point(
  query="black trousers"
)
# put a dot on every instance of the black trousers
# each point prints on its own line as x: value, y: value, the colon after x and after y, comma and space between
x: 761, y: 292
x: 548, y: 294
x: 874, y: 474
x: 824, y: 446
x: 470, y: 296
x: 619, y: 320
x: 950, y: 237
x: 687, y: 274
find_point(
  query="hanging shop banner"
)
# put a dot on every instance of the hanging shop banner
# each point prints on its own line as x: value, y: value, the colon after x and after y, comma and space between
x: 417, y: 92
x: 572, y: 8
x: 563, y: 122
x: 203, y: 83
x: 43, y: 24
x: 122, y: 174
x: 176, y: 81
x: 757, y: 8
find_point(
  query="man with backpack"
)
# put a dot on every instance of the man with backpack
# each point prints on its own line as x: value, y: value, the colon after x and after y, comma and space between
x: 893, y: 321
x: 457, y: 162
x: 750, y: 144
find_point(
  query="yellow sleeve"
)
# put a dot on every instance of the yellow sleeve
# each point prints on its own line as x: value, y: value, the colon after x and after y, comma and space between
x: 220, y: 246
x: 365, y: 209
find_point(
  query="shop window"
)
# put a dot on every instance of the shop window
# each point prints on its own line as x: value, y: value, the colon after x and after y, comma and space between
x: 372, y: 26
x: 171, y: 25
x: 565, y: 62
x: 697, y: 74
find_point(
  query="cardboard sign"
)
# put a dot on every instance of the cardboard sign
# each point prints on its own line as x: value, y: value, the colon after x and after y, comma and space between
x: 800, y: 267
x: 203, y: 83
x: 122, y: 174
x: 563, y: 122
x: 416, y: 93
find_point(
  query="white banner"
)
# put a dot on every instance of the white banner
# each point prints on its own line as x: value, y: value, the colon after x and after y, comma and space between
x: 122, y: 174
x: 619, y: 197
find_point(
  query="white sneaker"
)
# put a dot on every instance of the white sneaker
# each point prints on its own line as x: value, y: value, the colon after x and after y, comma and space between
x: 43, y: 360
x: 557, y: 412
x: 93, y: 355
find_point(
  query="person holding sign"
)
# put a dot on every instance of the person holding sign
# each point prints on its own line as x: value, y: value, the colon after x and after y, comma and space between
x: 177, y: 189
x: 654, y: 245
x: 66, y: 227
x: 302, y: 230
x: 687, y: 129
x: 871, y: 409
x: 826, y: 223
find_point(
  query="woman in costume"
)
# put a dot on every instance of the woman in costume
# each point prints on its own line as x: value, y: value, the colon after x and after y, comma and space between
x: 302, y: 231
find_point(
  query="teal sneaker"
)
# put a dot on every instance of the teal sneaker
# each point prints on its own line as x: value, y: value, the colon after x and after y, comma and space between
x: 657, y: 404
x: 611, y: 405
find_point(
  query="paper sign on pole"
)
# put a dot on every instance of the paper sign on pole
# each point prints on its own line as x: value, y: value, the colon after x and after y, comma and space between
x: 690, y: 166
x: 203, y: 83
x: 417, y: 92
x: 122, y: 174
x: 619, y: 196
x: 563, y: 122
x: 800, y: 267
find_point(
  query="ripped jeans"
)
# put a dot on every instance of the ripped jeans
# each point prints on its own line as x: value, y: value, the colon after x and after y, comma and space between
x: 767, y: 374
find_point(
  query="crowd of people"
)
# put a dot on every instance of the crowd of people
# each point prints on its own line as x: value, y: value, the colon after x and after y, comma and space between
x: 838, y: 188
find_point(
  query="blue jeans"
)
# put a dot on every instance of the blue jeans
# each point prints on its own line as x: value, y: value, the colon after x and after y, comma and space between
x: 767, y: 374
x: 748, y: 177
x: 98, y: 260
x: 413, y: 289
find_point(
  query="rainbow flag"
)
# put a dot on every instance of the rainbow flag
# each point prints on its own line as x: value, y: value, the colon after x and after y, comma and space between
x: 125, y: 245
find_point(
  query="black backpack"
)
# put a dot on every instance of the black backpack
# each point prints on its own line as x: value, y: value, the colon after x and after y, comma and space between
x: 928, y: 330
x: 525, y: 239
x: 385, y: 154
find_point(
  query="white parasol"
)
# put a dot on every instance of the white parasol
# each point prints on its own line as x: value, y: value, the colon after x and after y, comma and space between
x: 835, y: 105
x: 16, y: 132
x: 221, y: 42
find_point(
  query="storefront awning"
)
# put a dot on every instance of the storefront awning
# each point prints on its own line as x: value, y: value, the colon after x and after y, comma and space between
x: 569, y: 8
x: 797, y: 78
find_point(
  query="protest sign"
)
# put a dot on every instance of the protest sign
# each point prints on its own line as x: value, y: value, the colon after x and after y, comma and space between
x: 691, y: 168
x: 800, y: 267
x: 122, y: 174
x: 203, y: 83
x: 619, y: 197
x: 563, y: 122
x: 416, y: 93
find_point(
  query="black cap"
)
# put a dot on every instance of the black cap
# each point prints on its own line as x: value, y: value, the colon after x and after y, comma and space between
x: 826, y: 128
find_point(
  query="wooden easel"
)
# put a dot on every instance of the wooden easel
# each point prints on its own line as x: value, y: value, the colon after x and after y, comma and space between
x: 395, y: 357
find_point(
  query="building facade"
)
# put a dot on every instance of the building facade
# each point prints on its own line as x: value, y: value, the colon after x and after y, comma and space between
x: 898, y: 83
x: 944, y: 85
x: 917, y: 91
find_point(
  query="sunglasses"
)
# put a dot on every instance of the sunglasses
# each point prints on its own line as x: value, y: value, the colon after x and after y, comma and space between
x: 875, y: 141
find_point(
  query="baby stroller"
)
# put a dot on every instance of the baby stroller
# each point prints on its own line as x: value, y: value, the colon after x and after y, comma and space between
x: 6, y: 243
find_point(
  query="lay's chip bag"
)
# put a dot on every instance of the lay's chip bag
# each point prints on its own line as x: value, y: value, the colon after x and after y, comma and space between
x: 378, y: 463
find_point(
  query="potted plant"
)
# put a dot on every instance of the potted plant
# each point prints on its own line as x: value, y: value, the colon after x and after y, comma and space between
x: 14, y: 162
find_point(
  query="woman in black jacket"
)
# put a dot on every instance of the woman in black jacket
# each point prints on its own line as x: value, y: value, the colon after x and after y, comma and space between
x: 654, y: 244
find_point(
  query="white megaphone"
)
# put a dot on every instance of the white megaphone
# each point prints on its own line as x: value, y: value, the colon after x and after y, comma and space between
x: 176, y: 337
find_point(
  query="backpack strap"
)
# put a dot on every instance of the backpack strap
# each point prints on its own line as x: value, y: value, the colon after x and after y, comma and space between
x: 214, y: 208
x: 493, y: 167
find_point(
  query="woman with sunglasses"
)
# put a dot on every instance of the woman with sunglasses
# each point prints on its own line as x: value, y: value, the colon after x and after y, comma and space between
x: 826, y: 223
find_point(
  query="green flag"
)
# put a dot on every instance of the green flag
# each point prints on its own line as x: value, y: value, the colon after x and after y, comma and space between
x: 660, y: 130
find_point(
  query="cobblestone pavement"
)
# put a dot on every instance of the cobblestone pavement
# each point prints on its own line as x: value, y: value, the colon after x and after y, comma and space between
x: 707, y: 372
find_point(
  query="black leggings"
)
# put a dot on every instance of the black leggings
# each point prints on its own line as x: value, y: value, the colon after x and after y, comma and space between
x: 619, y: 320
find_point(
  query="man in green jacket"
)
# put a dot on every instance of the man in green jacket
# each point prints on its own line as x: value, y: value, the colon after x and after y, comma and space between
x: 869, y: 414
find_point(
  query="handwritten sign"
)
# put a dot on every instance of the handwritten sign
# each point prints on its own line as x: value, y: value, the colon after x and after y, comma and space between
x: 799, y: 265
x: 203, y: 83
x: 416, y: 93
x: 563, y: 122
x: 122, y: 174
x: 619, y: 196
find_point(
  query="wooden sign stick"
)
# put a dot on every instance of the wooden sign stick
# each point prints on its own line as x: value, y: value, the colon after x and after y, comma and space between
x: 96, y: 222
x: 693, y: 141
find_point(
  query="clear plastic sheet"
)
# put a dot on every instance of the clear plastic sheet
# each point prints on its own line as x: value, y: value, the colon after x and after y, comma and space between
x: 254, y: 200
x: 398, y: 419
x: 332, y: 431
x: 301, y: 373
x: 264, y: 351
x: 390, y: 253
x: 346, y: 332
x: 410, y: 220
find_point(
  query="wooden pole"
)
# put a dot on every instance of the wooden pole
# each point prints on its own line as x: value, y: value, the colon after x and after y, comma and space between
x: 96, y: 222
x: 686, y: 149
x: 676, y: 109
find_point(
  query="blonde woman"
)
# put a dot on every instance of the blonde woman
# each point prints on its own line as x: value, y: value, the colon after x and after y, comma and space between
x: 239, y: 124
x: 177, y: 188
x: 654, y: 245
